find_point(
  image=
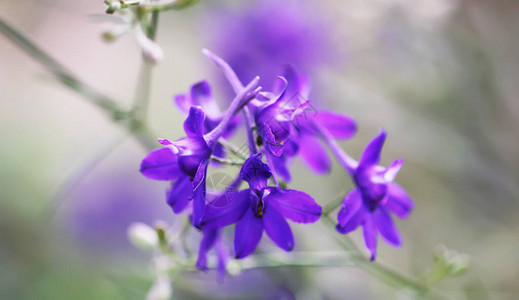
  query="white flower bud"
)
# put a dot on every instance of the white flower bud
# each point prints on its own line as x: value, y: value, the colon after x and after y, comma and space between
x: 143, y: 236
x: 233, y: 268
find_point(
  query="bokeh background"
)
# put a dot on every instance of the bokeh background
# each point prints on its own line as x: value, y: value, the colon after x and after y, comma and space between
x: 439, y: 75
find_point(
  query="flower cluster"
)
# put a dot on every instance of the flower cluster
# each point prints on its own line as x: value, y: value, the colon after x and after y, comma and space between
x: 280, y: 124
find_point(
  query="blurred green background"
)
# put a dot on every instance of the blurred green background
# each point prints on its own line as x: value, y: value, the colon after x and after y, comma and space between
x: 441, y: 76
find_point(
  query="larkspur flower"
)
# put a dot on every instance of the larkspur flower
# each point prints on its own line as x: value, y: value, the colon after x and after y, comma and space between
x: 301, y: 126
x: 261, y: 208
x: 283, y: 124
x: 185, y: 161
x: 376, y: 196
x: 200, y: 95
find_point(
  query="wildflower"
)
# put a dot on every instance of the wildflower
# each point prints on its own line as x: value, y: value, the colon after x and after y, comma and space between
x: 261, y: 208
x: 376, y: 196
x: 200, y: 95
x: 283, y: 124
x: 295, y: 121
x: 187, y: 158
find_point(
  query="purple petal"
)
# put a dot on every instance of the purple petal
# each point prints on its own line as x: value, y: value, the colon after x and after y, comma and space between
x: 291, y: 148
x: 192, y: 151
x: 219, y: 216
x: 166, y: 142
x: 398, y: 201
x: 161, y: 164
x: 199, y: 191
x: 194, y: 124
x: 297, y: 83
x: 340, y: 126
x: 370, y: 237
x: 392, y: 170
x: 350, y: 206
x: 183, y: 102
x: 255, y: 172
x: 371, y: 155
x: 278, y: 229
x: 247, y: 234
x: 294, y: 205
x: 355, y: 221
x: 280, y: 167
x: 223, y: 258
x: 314, y: 154
x: 272, y: 145
x: 208, y: 241
x: 218, y: 151
x: 201, y: 95
x: 278, y: 90
x: 180, y: 194
x: 386, y: 227
x: 231, y: 128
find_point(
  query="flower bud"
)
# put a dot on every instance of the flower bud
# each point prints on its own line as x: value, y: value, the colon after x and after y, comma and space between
x: 143, y: 236
x: 233, y: 268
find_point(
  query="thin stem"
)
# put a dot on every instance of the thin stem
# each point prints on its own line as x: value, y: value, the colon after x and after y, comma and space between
x: 165, y: 5
x: 234, y: 150
x: 250, y: 133
x: 227, y: 70
x: 344, y: 159
x: 142, y: 95
x: 333, y: 205
x: 243, y: 96
x: 226, y: 161
x: 152, y: 29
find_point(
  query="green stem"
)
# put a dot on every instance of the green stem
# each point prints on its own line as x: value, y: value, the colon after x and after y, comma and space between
x: 328, y: 208
x: 142, y: 95
x: 152, y: 29
x: 226, y: 161
x: 233, y: 149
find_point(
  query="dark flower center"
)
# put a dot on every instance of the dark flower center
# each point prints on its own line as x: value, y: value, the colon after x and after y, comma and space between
x: 259, y: 141
x: 259, y: 209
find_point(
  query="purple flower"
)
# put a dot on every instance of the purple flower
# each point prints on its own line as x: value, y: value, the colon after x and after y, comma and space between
x: 376, y: 196
x: 261, y: 208
x: 288, y: 126
x: 283, y: 124
x: 185, y: 161
x: 200, y: 95
x: 261, y: 37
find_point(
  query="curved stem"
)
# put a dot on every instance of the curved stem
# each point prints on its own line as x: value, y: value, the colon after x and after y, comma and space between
x: 226, y: 161
x: 250, y: 132
x: 243, y: 96
x: 344, y: 159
